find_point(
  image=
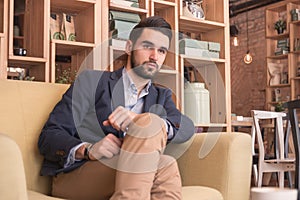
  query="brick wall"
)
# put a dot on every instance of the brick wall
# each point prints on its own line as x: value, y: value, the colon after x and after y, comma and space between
x: 248, y: 82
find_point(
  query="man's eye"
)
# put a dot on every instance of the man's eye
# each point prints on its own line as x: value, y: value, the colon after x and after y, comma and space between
x: 162, y: 51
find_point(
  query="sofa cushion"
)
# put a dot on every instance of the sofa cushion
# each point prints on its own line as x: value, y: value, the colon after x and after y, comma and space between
x: 12, y: 181
x: 39, y: 196
x: 199, y: 192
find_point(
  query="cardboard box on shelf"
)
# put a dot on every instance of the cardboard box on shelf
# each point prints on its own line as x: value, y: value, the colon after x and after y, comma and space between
x: 55, y: 26
x: 68, y: 27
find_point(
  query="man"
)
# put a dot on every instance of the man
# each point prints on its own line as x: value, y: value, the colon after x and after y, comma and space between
x: 105, y: 138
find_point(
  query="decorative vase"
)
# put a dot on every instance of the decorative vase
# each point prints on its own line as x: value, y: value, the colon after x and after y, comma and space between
x: 193, y: 8
x: 280, y: 30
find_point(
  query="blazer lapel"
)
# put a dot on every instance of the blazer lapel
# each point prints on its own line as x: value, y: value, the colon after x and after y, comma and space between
x: 116, y: 89
x: 150, y: 99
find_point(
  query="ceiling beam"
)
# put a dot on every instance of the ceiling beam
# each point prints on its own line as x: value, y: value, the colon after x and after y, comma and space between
x: 249, y: 5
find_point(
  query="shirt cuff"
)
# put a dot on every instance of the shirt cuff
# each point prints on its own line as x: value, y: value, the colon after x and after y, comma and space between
x: 169, y: 129
x: 71, y: 157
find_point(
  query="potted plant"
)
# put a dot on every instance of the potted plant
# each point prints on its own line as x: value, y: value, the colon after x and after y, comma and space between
x: 280, y: 26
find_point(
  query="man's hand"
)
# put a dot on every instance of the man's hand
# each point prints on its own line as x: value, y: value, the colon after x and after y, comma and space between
x: 120, y: 119
x: 107, y: 147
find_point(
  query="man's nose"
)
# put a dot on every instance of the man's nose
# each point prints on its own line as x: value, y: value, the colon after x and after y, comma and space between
x: 154, y: 54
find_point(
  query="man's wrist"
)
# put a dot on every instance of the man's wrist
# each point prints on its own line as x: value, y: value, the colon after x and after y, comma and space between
x: 87, y: 150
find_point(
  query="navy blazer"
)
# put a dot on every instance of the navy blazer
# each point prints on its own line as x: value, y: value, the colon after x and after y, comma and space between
x: 86, y: 104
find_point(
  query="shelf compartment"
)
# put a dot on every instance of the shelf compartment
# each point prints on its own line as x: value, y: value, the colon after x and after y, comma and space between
x: 34, y: 32
x: 169, y: 80
x: 84, y: 13
x: 74, y: 52
x: 36, y: 67
x: 213, y: 10
x: 168, y: 10
x: 213, y: 75
x: 295, y: 88
x: 274, y: 13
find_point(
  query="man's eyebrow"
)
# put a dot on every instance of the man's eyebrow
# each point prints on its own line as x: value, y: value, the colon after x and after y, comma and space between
x: 152, y: 44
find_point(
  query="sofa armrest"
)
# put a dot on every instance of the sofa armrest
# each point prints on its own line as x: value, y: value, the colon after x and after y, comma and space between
x: 226, y: 166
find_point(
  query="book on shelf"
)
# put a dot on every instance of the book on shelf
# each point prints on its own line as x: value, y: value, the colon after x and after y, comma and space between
x: 192, y: 43
x: 118, y: 43
x: 205, y: 49
x: 214, y: 46
x: 194, y: 52
x: 124, y: 28
x: 124, y: 16
x: 123, y: 22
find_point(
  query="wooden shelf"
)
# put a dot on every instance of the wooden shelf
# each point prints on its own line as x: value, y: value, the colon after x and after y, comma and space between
x: 198, y: 25
x: 283, y: 56
x: 279, y: 86
x: 168, y: 71
x: 295, y: 22
x: 70, y: 47
x: 296, y: 78
x: 71, y: 6
x: 295, y: 52
x: 278, y: 37
x: 202, y: 61
x: 215, y: 125
x: 26, y: 60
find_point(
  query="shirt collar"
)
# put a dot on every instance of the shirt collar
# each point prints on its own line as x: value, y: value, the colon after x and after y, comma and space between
x: 130, y: 86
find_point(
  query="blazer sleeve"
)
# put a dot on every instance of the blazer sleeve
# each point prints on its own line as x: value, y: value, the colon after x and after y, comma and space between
x: 183, y: 127
x: 61, y: 131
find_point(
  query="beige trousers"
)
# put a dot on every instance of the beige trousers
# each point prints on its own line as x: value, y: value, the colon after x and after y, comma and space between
x: 140, y: 172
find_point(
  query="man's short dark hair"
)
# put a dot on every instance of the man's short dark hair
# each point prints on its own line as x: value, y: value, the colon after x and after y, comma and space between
x: 156, y: 23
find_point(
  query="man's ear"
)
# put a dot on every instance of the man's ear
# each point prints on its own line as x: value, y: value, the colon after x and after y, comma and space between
x: 128, y: 47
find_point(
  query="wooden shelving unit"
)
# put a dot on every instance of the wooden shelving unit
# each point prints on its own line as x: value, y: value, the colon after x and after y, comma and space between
x: 32, y: 19
x: 214, y: 72
x: 290, y: 60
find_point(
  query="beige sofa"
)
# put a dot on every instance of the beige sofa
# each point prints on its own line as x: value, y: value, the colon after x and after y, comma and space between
x: 224, y: 173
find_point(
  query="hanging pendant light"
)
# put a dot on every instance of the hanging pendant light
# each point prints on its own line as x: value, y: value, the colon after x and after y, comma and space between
x: 234, y: 33
x: 247, y: 57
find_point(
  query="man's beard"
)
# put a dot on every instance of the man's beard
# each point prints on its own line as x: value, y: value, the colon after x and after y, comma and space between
x: 141, y: 70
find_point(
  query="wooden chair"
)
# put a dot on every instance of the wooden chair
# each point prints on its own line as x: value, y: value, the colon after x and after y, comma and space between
x: 280, y: 164
x: 293, y: 110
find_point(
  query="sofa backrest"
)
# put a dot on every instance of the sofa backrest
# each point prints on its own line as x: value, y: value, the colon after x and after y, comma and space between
x: 24, y: 108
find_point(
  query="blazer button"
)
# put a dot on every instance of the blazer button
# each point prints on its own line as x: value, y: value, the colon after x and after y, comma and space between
x: 60, y: 153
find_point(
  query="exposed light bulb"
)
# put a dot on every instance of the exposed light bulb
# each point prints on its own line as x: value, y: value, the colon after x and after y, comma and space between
x: 248, y: 58
x: 235, y: 41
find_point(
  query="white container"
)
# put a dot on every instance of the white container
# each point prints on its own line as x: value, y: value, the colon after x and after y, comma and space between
x: 197, y: 102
